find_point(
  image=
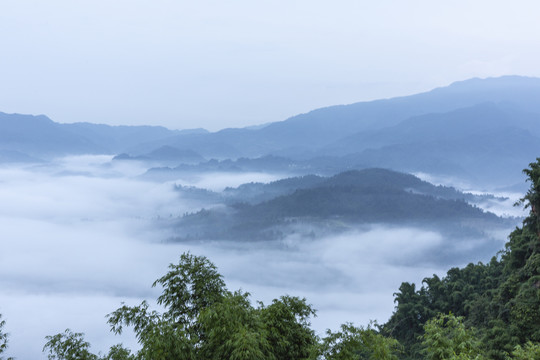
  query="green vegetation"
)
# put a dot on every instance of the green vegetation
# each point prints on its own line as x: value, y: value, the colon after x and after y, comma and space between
x: 446, y: 337
x: 3, y: 339
x: 203, y: 320
x: 68, y: 345
x: 501, y: 299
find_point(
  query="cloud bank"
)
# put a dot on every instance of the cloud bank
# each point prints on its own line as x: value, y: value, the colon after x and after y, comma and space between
x: 82, y: 235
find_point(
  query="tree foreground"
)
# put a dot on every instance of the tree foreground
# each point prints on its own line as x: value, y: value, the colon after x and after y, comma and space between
x: 500, y: 299
x: 481, y: 311
x: 204, y: 320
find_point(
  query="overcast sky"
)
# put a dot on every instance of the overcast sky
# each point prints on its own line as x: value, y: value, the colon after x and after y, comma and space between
x: 216, y: 64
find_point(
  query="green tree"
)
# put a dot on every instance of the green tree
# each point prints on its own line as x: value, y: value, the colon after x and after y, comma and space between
x: 189, y: 287
x: 233, y: 330
x: 286, y: 322
x: 68, y: 346
x: 447, y: 338
x: 203, y: 320
x: 3, y: 339
x: 350, y: 343
x: 118, y: 352
x: 529, y: 351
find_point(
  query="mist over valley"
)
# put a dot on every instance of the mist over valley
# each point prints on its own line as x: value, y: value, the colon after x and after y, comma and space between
x: 340, y: 205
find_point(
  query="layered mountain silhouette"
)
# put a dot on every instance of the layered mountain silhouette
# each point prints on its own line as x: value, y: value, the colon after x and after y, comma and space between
x: 469, y: 129
x: 314, y: 206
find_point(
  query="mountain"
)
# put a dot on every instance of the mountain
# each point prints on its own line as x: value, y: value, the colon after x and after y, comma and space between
x: 463, y: 130
x: 10, y: 156
x: 469, y: 130
x: 305, y: 133
x: 40, y: 137
x: 323, y: 206
x: 486, y: 144
x: 449, y: 126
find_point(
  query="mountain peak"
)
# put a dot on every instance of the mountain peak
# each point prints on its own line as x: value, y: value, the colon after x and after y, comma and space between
x: 492, y: 83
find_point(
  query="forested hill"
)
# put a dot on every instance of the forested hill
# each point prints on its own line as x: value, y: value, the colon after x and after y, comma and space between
x: 500, y: 299
x: 336, y: 204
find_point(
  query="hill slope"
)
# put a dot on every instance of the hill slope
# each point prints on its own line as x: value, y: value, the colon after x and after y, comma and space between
x: 323, y: 206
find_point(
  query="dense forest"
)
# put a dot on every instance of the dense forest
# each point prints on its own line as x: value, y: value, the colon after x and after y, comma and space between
x: 481, y: 311
x: 500, y: 299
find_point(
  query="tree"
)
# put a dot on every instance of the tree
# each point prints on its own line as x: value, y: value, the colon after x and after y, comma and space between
x: 529, y: 351
x: 352, y: 343
x: 447, y: 338
x: 68, y: 346
x: 189, y: 287
x: 286, y: 322
x: 203, y: 320
x: 3, y: 339
x: 233, y: 330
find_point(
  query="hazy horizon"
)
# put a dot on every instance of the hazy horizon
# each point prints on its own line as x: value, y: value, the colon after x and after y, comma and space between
x: 214, y: 65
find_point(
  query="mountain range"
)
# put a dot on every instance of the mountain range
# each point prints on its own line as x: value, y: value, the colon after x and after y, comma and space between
x: 481, y: 130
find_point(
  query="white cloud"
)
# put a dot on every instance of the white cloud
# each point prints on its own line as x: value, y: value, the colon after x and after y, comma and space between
x: 75, y: 246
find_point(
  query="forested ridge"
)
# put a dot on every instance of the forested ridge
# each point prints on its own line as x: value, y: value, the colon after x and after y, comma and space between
x: 481, y: 311
x: 500, y: 299
x: 314, y: 206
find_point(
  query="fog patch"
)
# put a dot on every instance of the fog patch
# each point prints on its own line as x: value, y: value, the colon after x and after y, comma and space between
x: 455, y: 182
x: 501, y: 204
x: 348, y: 277
x: 504, y: 204
x: 217, y: 181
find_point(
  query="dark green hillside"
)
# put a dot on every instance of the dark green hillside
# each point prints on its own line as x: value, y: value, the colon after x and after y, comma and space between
x: 501, y: 299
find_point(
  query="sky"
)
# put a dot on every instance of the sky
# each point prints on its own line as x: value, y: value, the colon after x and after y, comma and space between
x: 217, y: 64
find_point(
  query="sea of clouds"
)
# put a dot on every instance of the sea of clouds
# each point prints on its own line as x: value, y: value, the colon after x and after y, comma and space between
x: 81, y: 235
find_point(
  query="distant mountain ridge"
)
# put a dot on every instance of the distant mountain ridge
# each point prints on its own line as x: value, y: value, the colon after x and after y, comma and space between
x: 41, y: 137
x: 446, y: 131
x: 312, y: 206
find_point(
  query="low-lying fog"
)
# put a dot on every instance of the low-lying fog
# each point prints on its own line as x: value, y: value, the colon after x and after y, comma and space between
x: 80, y: 236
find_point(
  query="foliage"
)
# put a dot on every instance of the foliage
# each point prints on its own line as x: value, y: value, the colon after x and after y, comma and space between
x: 68, y: 346
x: 287, y: 322
x: 446, y: 337
x: 203, y: 320
x: 529, y: 351
x: 118, y: 352
x: 357, y: 343
x: 233, y: 330
x: 190, y: 286
x: 501, y: 298
x: 3, y: 339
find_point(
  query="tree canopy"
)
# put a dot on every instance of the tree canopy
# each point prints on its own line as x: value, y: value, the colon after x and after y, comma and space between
x: 202, y: 319
x: 501, y: 299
